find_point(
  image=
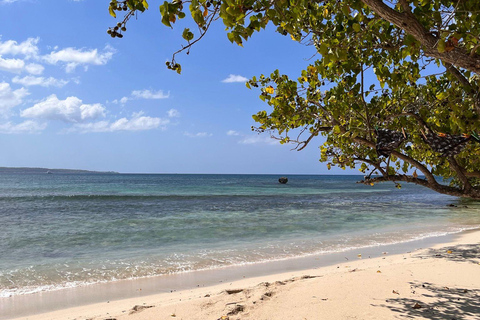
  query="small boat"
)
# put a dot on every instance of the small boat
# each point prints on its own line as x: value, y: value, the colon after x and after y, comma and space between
x: 283, y: 180
x: 49, y: 172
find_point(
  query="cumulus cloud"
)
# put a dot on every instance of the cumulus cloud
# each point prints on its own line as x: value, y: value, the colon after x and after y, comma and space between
x: 34, y: 68
x: 72, y: 57
x: 72, y: 109
x: 18, y: 66
x: 40, y: 81
x: 12, y: 65
x: 138, y: 122
x: 27, y: 48
x: 28, y: 126
x: 233, y: 133
x: 147, y: 94
x: 234, y: 78
x: 173, y: 113
x: 10, y: 98
x: 197, y: 135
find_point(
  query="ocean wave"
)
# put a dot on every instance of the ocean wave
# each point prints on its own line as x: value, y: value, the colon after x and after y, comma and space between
x: 173, y: 196
x: 228, y: 258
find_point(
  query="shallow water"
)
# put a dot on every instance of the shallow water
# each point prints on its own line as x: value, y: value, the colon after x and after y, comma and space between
x: 67, y: 230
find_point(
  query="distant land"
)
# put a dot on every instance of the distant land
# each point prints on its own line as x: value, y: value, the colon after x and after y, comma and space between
x: 47, y: 170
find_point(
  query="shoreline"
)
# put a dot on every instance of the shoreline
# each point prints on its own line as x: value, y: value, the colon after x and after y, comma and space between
x: 91, y: 301
x: 294, y: 263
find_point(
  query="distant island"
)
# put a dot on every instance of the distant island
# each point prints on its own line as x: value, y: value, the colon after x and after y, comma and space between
x: 50, y: 171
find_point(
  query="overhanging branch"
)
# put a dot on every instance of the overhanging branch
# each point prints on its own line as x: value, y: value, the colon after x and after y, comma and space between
x: 408, y: 22
x: 474, y: 194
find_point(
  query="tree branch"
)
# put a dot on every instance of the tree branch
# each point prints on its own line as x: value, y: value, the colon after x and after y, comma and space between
x: 373, y: 163
x: 475, y: 174
x: 460, y: 173
x: 464, y: 81
x: 303, y: 144
x: 394, y: 178
x: 438, y: 187
x: 430, y: 177
x: 408, y: 22
x: 411, y: 114
x: 405, y: 5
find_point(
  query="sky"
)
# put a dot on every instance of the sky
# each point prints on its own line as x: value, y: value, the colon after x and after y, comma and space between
x: 73, y: 97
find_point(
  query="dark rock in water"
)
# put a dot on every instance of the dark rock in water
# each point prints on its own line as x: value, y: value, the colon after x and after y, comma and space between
x: 283, y: 180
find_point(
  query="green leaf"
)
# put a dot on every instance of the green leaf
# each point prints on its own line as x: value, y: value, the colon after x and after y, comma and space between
x: 187, y: 34
x: 441, y: 95
x: 441, y: 45
x: 112, y: 12
x: 323, y: 49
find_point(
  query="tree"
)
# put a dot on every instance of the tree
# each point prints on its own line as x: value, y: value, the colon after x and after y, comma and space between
x: 416, y: 122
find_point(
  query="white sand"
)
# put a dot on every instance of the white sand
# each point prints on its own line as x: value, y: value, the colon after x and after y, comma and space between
x: 442, y: 282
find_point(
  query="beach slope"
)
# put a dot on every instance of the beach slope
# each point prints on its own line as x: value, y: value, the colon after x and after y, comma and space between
x: 442, y: 282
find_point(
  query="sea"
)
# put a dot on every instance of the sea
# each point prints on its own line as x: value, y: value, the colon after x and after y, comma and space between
x: 62, y: 231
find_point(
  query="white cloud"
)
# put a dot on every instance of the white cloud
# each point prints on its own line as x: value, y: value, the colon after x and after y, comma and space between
x: 121, y: 101
x: 10, y: 98
x: 197, y: 135
x: 138, y: 122
x: 7, y: 1
x: 28, y: 48
x: 18, y: 65
x: 40, y: 81
x: 71, y: 109
x: 12, y: 65
x: 233, y: 133
x: 173, y: 113
x: 234, y: 78
x: 253, y: 139
x: 34, y: 68
x: 28, y: 126
x: 257, y: 139
x: 147, y: 94
x: 73, y: 57
x: 143, y: 94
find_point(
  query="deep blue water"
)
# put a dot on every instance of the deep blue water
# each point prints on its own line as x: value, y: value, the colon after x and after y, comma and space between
x: 64, y: 230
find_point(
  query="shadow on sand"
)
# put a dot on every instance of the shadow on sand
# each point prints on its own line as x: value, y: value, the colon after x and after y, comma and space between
x: 432, y: 301
x: 461, y: 253
x: 436, y: 302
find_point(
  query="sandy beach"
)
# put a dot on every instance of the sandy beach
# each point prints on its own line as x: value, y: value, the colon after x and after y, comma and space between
x: 441, y: 282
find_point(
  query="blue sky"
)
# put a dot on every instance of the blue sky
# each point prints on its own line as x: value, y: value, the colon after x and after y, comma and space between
x: 72, y: 97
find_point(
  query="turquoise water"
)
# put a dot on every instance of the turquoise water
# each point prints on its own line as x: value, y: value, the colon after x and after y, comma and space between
x: 67, y: 230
